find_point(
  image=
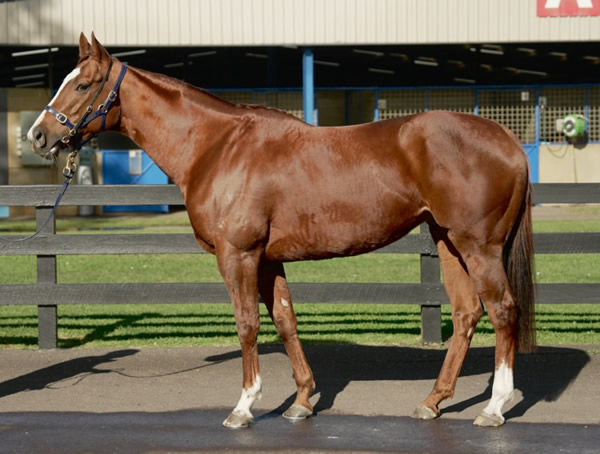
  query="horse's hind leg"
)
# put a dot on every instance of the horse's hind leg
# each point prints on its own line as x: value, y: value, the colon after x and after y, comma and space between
x: 276, y: 295
x: 486, y: 269
x: 466, y: 312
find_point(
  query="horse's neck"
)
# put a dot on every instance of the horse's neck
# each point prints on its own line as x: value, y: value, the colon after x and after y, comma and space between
x: 172, y: 122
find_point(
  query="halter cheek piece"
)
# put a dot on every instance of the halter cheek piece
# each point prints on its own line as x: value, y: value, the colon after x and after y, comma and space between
x: 101, y: 111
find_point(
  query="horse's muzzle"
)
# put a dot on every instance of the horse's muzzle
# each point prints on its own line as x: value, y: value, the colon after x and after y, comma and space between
x: 37, y: 137
x: 41, y: 145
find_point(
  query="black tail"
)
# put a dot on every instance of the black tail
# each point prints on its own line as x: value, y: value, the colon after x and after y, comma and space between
x: 519, y: 265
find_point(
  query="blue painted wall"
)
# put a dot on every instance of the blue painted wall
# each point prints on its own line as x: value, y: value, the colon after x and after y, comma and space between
x: 116, y: 170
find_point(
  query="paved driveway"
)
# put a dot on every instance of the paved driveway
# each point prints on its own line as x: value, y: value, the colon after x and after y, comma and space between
x: 173, y: 400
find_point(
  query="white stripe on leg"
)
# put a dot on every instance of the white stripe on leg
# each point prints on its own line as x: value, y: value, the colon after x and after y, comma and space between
x: 502, y: 390
x: 249, y: 396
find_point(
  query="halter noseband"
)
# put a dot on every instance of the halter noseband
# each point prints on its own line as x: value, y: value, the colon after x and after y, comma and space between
x: 101, y: 111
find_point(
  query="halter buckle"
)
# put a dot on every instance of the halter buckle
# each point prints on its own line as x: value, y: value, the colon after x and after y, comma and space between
x: 61, y: 118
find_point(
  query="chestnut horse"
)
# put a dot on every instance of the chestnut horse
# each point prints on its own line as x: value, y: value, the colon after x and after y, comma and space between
x: 262, y: 188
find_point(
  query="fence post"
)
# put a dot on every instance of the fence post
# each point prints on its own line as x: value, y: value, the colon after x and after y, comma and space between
x: 46, y: 273
x: 431, y: 312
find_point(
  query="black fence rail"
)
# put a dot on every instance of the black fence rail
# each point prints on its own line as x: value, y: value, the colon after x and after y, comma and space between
x: 47, y: 294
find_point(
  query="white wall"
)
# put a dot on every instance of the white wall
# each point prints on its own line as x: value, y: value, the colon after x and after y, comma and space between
x: 280, y: 22
x: 563, y: 163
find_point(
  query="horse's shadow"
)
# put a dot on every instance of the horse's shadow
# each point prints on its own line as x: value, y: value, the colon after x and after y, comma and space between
x: 73, y: 369
x: 541, y: 376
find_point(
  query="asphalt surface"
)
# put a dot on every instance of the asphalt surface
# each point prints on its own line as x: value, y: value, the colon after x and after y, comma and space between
x: 174, y: 400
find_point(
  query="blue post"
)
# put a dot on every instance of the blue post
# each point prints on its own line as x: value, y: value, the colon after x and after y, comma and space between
x: 308, y: 85
x: 534, y: 155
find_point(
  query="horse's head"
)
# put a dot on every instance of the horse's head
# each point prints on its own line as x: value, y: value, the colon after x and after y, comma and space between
x: 85, y: 104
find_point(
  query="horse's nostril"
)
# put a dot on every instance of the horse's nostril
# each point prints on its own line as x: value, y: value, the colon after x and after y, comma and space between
x: 39, y: 137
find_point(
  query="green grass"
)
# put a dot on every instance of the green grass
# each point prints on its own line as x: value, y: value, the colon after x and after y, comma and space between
x: 213, y: 324
x: 202, y: 268
x: 103, y: 224
x: 570, y: 225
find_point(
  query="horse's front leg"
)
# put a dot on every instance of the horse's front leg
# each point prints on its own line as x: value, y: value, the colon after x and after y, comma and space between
x: 276, y: 295
x: 239, y: 269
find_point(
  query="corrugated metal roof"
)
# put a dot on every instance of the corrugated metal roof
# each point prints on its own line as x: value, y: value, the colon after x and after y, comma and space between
x: 281, y: 22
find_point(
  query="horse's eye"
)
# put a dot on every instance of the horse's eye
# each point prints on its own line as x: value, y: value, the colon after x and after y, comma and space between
x: 83, y: 87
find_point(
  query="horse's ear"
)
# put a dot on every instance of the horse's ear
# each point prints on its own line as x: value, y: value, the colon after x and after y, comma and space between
x: 98, y: 50
x: 84, y: 47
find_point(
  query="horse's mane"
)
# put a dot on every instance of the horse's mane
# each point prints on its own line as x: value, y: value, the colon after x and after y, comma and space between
x: 192, y: 92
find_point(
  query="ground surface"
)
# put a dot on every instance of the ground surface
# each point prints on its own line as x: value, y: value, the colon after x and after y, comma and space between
x: 173, y: 400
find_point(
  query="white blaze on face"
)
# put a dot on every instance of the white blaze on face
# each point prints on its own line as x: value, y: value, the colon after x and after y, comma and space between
x: 502, y: 390
x: 249, y: 396
x: 72, y: 75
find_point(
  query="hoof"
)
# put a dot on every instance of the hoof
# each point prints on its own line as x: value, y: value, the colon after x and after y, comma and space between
x: 485, y: 420
x: 423, y: 412
x: 238, y: 420
x: 297, y: 413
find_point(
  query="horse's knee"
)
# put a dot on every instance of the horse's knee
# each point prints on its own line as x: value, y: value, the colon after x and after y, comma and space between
x: 284, y: 318
x: 286, y: 328
x: 248, y: 330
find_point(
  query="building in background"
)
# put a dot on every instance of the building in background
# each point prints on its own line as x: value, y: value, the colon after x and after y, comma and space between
x: 532, y: 65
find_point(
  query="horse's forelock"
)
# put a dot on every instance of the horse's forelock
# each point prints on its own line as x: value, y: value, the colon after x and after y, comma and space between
x: 95, y: 71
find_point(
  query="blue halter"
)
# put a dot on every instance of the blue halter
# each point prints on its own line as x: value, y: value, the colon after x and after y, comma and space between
x: 89, y: 116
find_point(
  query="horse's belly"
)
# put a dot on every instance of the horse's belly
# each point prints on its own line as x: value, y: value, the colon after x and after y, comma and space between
x: 314, y: 236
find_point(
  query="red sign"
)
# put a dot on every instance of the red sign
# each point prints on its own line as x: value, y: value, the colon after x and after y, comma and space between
x: 547, y: 8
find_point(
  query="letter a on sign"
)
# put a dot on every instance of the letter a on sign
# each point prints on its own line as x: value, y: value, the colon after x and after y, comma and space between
x: 566, y: 8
